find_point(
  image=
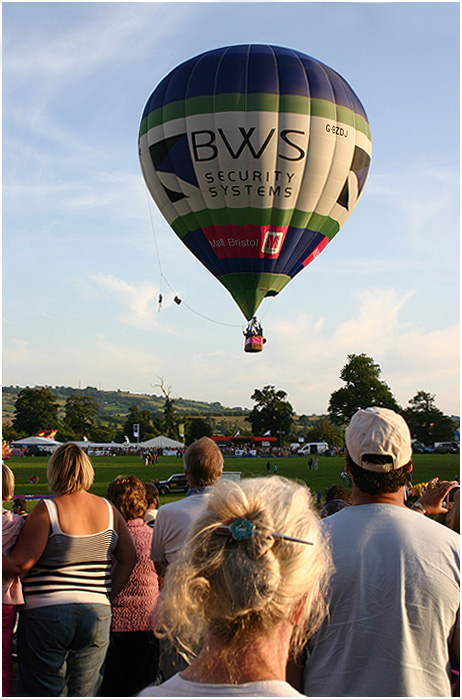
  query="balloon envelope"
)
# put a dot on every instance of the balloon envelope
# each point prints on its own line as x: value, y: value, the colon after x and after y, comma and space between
x: 255, y: 155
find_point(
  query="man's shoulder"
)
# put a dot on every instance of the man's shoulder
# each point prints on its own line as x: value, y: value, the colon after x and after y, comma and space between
x: 189, y: 502
x: 391, y: 518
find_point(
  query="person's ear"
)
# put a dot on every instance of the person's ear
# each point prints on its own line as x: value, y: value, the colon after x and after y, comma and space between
x: 297, y: 612
x: 347, y: 468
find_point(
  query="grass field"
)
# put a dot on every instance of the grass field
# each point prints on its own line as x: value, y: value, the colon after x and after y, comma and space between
x: 426, y: 466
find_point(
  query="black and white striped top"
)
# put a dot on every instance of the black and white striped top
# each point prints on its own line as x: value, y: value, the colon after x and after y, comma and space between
x: 73, y: 568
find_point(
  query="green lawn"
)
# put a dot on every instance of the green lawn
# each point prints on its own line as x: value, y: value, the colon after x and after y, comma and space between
x: 426, y: 466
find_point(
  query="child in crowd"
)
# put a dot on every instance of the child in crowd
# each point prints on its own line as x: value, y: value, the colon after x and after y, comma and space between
x: 11, y: 587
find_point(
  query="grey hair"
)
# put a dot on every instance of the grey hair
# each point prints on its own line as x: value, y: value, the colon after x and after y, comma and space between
x: 239, y: 590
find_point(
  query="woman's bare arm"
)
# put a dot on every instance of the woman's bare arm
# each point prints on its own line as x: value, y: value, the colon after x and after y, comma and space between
x: 30, y: 544
x: 124, y: 555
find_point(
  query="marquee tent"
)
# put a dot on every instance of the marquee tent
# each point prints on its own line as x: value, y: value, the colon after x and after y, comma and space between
x: 162, y: 443
x: 86, y: 444
x: 37, y: 441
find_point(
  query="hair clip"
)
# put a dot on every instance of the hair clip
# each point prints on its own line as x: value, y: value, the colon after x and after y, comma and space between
x: 243, y: 529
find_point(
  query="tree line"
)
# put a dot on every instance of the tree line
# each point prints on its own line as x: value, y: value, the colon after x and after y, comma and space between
x: 363, y: 388
x: 37, y: 409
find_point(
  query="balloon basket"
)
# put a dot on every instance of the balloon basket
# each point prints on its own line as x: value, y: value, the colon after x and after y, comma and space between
x: 253, y: 343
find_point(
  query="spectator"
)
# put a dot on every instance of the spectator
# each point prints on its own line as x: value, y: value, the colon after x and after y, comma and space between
x: 133, y: 655
x: 203, y: 466
x: 246, y: 588
x: 337, y: 497
x: 11, y: 586
x: 19, y: 507
x: 65, y: 548
x: 338, y: 492
x: 395, y: 593
x: 152, y: 495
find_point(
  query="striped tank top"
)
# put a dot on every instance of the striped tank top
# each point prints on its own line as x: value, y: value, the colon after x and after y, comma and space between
x: 73, y: 568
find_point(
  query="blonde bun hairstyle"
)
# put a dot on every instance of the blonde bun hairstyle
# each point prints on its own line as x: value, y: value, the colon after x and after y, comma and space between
x: 237, y: 590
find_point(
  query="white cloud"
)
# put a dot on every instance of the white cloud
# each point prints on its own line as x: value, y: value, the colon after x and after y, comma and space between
x: 136, y: 302
x: 411, y: 357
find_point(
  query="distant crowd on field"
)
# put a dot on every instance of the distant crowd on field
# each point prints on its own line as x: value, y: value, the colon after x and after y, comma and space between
x: 98, y: 450
x: 249, y: 588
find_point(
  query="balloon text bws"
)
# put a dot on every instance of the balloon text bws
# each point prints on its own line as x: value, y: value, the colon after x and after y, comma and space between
x: 256, y: 155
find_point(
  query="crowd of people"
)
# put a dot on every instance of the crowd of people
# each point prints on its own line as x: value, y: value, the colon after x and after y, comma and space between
x: 244, y: 588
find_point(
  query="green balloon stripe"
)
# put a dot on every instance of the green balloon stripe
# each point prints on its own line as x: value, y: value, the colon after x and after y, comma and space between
x: 257, y: 217
x: 250, y: 288
x: 237, y: 102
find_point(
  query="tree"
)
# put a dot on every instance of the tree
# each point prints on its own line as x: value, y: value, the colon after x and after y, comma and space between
x: 324, y: 431
x: 80, y: 415
x: 9, y: 434
x: 143, y: 418
x: 426, y: 422
x: 196, y: 428
x: 170, y: 427
x: 36, y: 409
x: 363, y: 389
x: 271, y: 412
x: 103, y: 433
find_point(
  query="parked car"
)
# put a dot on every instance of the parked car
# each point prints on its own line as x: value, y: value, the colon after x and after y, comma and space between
x: 420, y: 448
x: 37, y: 450
x: 176, y: 483
x: 446, y: 448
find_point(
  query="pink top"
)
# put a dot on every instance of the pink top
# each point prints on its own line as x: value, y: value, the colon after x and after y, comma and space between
x: 132, y: 609
x: 11, y: 526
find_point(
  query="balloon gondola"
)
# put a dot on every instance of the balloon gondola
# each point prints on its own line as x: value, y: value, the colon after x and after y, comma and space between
x: 256, y: 155
x: 253, y: 334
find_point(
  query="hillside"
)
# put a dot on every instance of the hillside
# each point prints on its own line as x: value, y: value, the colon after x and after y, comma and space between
x: 114, y: 405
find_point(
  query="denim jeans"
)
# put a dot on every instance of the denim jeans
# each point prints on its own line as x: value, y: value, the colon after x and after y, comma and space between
x: 61, y: 649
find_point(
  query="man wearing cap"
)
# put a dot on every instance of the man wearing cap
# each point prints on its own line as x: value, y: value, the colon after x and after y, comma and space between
x: 395, y: 591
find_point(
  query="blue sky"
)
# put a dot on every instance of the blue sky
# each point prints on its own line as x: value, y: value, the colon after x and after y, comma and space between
x: 81, y: 273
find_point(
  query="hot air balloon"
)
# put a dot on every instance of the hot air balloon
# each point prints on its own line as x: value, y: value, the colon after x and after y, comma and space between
x: 256, y: 155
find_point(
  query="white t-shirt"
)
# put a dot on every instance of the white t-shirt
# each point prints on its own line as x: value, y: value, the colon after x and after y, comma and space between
x: 176, y: 686
x: 172, y: 524
x: 394, y: 604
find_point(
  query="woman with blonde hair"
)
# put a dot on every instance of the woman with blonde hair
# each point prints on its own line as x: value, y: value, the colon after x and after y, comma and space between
x: 65, y: 552
x: 246, y: 590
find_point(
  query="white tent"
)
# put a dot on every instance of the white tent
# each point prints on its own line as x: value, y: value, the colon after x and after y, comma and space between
x: 86, y: 444
x: 162, y: 443
x: 38, y: 441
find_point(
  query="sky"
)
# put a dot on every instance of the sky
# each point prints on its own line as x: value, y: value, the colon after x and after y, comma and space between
x: 86, y: 252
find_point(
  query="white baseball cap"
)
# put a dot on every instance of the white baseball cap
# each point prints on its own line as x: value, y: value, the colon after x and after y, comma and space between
x: 381, y: 432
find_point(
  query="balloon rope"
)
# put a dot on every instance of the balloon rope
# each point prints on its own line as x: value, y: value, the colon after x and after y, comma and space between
x: 155, y: 243
x: 164, y: 278
x: 210, y: 320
